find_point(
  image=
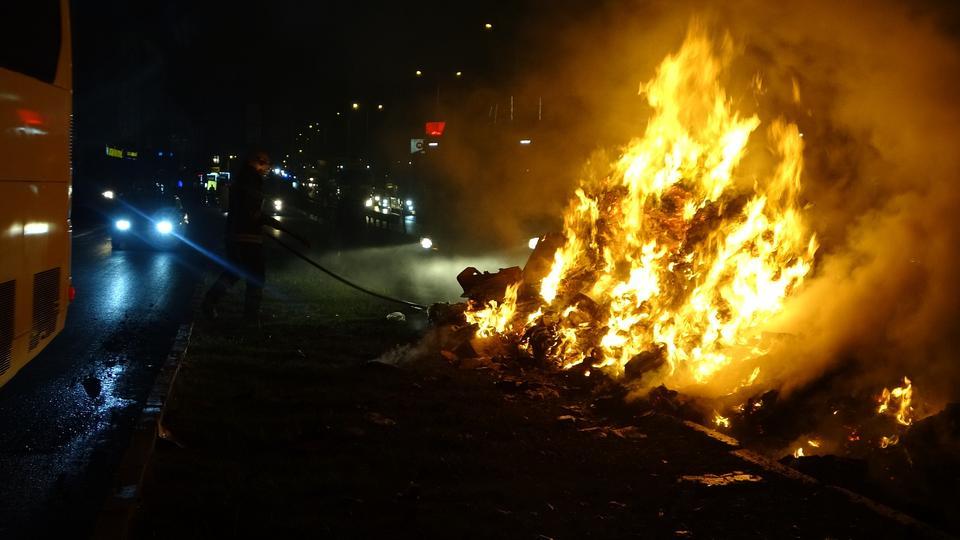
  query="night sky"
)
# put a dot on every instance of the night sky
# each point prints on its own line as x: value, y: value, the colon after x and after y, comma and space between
x: 206, y: 78
x: 197, y: 65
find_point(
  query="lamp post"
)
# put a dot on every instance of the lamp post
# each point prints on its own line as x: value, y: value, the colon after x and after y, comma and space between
x: 457, y: 75
x: 358, y: 106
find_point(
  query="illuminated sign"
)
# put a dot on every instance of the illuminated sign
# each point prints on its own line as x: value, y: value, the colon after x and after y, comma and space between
x: 120, y: 153
x: 416, y: 146
x: 435, y: 129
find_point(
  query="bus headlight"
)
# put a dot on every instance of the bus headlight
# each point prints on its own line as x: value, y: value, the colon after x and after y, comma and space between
x: 164, y: 227
x: 122, y: 225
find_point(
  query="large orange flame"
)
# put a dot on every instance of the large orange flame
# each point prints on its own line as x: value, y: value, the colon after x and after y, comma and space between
x: 681, y: 256
x: 493, y: 317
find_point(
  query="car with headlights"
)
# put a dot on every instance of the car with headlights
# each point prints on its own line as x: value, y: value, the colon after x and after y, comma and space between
x: 276, y: 206
x: 150, y: 217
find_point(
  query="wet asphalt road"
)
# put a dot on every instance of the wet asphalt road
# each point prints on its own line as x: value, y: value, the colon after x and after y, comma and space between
x: 66, y: 418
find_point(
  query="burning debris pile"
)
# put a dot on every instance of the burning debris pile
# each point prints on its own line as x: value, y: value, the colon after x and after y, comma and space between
x: 672, y: 262
x: 677, y: 264
x: 674, y: 258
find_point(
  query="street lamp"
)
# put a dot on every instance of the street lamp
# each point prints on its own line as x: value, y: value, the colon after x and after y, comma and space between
x: 488, y: 26
x: 459, y: 73
x: 419, y: 73
x: 379, y: 107
x: 355, y: 106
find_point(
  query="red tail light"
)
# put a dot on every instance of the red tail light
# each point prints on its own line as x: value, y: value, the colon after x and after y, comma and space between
x: 29, y: 117
x: 72, y: 293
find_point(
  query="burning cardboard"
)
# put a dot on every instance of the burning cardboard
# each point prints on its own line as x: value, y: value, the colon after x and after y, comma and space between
x: 673, y: 260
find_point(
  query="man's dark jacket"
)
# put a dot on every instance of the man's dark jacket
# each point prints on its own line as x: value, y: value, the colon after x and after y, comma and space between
x: 246, y: 218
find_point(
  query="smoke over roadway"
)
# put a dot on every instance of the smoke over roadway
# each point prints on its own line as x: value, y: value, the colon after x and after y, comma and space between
x: 874, y: 90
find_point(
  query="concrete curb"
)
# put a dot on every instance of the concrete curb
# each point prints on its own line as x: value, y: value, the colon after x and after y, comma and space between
x: 117, y: 513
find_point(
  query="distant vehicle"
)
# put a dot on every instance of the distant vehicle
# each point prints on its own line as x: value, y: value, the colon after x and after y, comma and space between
x: 385, y: 208
x: 276, y: 206
x: 384, y: 203
x: 283, y: 196
x: 149, y: 217
x: 35, y: 182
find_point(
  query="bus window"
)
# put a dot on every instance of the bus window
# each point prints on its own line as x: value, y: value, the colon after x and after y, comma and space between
x: 30, y: 38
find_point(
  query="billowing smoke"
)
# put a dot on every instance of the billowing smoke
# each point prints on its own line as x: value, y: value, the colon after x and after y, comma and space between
x: 877, y: 103
x: 874, y: 90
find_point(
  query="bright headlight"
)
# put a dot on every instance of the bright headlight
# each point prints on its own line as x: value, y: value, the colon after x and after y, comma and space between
x: 532, y: 243
x: 277, y: 204
x: 122, y: 224
x: 108, y: 194
x: 426, y: 243
x: 164, y: 227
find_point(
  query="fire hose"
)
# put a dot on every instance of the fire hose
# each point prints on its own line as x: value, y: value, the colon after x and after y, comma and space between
x: 344, y: 280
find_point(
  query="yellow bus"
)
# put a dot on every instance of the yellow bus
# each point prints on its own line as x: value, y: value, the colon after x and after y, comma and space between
x: 35, y: 178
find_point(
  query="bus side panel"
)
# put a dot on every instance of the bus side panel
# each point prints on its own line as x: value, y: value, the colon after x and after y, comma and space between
x: 34, y: 249
x: 35, y: 179
x: 34, y: 209
x: 11, y: 269
x: 50, y: 250
x: 35, y: 139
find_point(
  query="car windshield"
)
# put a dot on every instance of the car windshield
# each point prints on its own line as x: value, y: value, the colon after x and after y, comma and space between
x: 149, y: 198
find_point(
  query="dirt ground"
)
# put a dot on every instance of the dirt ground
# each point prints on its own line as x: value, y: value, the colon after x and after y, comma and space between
x: 290, y: 431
